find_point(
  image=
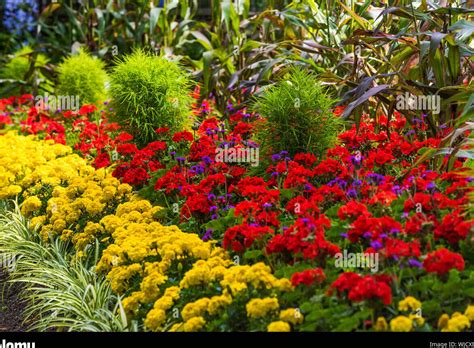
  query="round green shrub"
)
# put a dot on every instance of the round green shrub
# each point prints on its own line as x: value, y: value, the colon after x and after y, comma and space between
x: 297, y: 115
x: 149, y: 92
x: 18, y: 67
x: 82, y: 75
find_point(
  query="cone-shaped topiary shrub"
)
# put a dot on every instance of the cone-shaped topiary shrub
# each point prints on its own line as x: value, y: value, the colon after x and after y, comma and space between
x: 18, y: 67
x: 296, y: 115
x: 150, y: 92
x: 82, y: 75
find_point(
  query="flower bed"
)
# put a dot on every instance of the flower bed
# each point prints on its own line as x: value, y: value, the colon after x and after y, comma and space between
x: 264, y: 242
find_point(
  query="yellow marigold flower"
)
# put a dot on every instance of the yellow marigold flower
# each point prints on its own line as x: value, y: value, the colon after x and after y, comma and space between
x: 401, y: 324
x: 381, y: 324
x: 132, y: 303
x: 218, y: 302
x: 260, y: 307
x: 292, y: 316
x: 443, y: 321
x: 469, y: 313
x: 59, y: 225
x: 194, y: 324
x: 457, y: 323
x: 195, y: 309
x: 155, y: 319
x: 30, y: 205
x: 278, y: 326
x: 124, y: 189
x: 409, y: 303
x: 119, y: 276
x: 37, y: 221
x: 418, y: 320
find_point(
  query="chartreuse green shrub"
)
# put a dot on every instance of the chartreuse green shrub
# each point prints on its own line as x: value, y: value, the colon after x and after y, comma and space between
x: 17, y: 69
x: 149, y: 92
x: 82, y: 75
x: 297, y: 115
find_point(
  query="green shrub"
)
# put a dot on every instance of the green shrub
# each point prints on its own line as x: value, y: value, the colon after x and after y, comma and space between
x: 84, y: 76
x: 18, y: 67
x: 297, y: 115
x: 149, y: 92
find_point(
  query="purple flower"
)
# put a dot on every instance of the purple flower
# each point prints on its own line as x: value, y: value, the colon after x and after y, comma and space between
x: 207, y: 235
x: 181, y: 159
x: 276, y: 157
x: 394, y: 231
x: 207, y: 159
x: 367, y: 235
x: 397, y: 190
x: 356, y: 160
x: 376, y: 245
x: 352, y: 193
x: 211, y: 196
x: 344, y: 235
x: 267, y: 205
x: 415, y: 263
x: 213, y: 208
x: 357, y: 182
x: 375, y: 178
x: 198, y: 169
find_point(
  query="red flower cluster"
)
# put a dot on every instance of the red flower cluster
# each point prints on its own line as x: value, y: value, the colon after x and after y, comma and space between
x: 360, y: 288
x: 442, y: 261
x: 308, y: 277
x: 241, y: 237
x: 306, y: 238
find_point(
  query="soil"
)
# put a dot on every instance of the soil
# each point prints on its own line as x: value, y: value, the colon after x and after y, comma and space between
x: 11, y: 306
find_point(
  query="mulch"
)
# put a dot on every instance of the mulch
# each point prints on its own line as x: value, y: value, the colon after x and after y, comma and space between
x: 11, y: 306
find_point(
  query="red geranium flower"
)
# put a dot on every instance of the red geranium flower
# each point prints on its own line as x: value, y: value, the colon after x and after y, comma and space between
x: 308, y: 277
x: 442, y: 261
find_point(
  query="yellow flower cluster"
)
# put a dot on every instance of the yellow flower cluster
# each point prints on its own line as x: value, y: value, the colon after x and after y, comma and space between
x: 61, y: 193
x: 409, y: 303
x: 381, y: 324
x: 292, y: 316
x: 261, y: 307
x: 278, y: 326
x: 401, y: 324
x: 458, y: 321
x: 157, y: 316
x: 144, y: 252
x: 25, y: 162
x: 192, y: 325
